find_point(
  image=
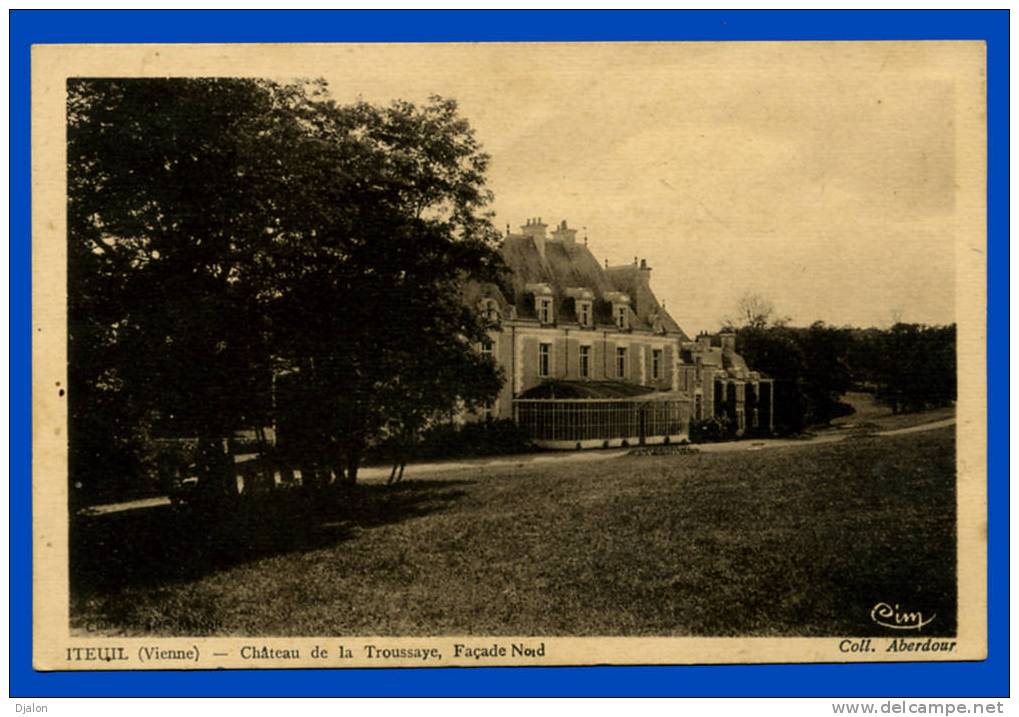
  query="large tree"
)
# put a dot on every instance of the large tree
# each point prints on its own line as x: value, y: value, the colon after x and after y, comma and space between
x: 915, y: 367
x: 810, y: 365
x: 224, y: 230
x: 363, y: 276
x: 164, y: 332
x: 753, y: 310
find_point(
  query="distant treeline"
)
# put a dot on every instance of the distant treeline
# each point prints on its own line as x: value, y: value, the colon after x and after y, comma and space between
x: 908, y: 367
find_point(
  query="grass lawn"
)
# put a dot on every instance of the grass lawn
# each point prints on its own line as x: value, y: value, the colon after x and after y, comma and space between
x: 787, y: 541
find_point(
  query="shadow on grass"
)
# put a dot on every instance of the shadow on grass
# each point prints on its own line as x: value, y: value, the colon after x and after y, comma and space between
x: 166, y: 544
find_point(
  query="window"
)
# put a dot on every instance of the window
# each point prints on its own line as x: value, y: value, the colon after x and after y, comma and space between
x: 621, y: 317
x: 656, y: 364
x: 585, y: 362
x: 544, y: 360
x: 621, y: 363
x: 545, y: 311
x: 585, y: 313
x: 486, y: 348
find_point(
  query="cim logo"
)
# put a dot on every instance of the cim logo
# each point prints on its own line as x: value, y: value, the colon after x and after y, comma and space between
x: 895, y: 618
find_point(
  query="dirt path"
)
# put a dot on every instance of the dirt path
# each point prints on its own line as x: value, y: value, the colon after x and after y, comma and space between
x: 943, y: 423
x: 471, y: 469
x: 421, y: 470
x: 126, y: 505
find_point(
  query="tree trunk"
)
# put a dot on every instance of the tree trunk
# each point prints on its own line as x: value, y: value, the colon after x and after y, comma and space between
x: 336, y: 464
x: 216, y: 474
x: 353, y: 462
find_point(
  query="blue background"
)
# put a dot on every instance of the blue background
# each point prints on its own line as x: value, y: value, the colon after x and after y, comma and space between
x: 987, y: 678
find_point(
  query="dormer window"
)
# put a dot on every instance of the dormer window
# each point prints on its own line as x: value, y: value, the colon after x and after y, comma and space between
x: 545, y: 310
x: 620, y: 309
x: 543, y: 297
x: 584, y: 313
x: 490, y: 309
x: 583, y: 299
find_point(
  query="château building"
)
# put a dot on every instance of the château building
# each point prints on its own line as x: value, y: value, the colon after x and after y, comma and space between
x: 593, y: 359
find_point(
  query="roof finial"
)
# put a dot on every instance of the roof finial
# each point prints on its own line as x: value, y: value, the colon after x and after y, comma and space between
x: 606, y: 262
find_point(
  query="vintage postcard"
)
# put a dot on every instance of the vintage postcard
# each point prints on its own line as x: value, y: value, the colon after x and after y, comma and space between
x: 430, y: 355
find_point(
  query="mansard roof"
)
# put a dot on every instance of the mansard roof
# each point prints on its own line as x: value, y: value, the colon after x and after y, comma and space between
x: 717, y: 357
x: 632, y: 281
x: 566, y: 266
x: 735, y: 364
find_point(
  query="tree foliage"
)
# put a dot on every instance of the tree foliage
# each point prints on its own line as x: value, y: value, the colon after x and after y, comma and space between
x: 163, y: 334
x: 909, y: 367
x: 808, y: 367
x: 226, y: 231
x: 913, y: 366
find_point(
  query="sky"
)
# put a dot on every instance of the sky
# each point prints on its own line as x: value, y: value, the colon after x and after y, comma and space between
x: 822, y: 176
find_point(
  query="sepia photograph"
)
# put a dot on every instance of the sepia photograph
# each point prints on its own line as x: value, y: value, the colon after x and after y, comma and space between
x: 510, y: 353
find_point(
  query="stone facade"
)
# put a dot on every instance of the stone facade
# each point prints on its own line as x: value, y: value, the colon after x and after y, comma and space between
x: 561, y: 316
x: 720, y: 383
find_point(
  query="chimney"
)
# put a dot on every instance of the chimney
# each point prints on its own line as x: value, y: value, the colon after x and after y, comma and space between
x: 703, y: 341
x: 564, y: 233
x: 645, y: 271
x: 535, y: 229
x: 728, y: 342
